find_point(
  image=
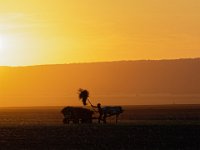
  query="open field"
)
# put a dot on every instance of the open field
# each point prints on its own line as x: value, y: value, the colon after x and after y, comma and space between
x: 161, y: 112
x: 121, y: 136
x: 140, y: 127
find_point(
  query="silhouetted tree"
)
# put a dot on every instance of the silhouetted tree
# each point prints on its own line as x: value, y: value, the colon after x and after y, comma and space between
x: 83, y: 95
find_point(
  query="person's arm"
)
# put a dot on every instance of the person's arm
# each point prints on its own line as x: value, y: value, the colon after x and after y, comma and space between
x: 93, y: 106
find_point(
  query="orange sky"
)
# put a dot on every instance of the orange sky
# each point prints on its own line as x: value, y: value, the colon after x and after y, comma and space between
x: 64, y: 31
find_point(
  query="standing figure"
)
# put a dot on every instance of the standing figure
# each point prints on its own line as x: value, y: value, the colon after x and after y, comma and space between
x: 102, y: 116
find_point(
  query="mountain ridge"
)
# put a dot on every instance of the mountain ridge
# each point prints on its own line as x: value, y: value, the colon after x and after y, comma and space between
x: 78, y: 63
x: 119, y: 82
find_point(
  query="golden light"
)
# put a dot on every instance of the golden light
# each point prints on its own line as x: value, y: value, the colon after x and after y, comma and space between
x: 96, y: 31
x: 2, y: 50
x: 1, y: 46
x: 11, y: 52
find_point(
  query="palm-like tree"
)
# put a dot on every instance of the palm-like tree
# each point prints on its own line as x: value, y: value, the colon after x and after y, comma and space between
x: 83, y: 95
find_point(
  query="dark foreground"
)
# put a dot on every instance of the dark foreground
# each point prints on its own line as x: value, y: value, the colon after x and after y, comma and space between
x: 96, y: 137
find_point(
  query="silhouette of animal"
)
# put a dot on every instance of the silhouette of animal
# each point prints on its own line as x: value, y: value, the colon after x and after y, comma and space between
x: 111, y: 111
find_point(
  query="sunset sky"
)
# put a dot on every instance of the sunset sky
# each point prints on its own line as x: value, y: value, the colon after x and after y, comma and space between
x: 64, y: 31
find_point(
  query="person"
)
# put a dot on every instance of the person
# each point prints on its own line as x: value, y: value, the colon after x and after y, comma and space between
x: 100, y: 111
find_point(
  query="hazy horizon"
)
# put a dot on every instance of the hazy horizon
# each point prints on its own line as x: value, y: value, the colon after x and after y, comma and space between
x: 144, y: 82
x: 93, y: 62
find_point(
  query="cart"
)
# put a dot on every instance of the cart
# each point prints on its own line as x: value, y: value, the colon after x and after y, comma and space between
x: 78, y: 115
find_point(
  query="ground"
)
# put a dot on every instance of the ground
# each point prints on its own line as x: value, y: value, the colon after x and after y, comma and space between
x: 95, y: 137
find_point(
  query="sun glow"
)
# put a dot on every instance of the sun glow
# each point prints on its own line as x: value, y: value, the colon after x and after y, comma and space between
x: 5, y: 50
x: 12, y: 49
x: 2, y: 50
x: 1, y: 46
x: 91, y: 31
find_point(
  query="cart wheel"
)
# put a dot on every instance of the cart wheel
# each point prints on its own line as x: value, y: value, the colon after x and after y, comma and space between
x: 75, y: 121
x: 83, y: 121
x: 89, y: 121
x: 86, y: 121
x: 66, y: 121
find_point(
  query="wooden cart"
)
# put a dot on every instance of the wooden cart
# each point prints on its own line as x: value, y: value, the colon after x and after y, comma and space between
x: 76, y: 115
x: 83, y: 115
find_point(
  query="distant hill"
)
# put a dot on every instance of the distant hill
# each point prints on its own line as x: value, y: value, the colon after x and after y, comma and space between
x: 123, y: 82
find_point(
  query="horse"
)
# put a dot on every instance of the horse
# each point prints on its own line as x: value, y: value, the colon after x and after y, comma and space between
x: 111, y: 111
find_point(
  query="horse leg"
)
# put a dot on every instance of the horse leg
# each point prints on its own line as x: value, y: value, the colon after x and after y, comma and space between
x: 104, y: 118
x: 100, y: 118
x: 117, y: 118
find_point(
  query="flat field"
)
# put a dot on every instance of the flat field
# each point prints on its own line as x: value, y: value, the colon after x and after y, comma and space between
x: 98, y: 137
x: 139, y: 127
